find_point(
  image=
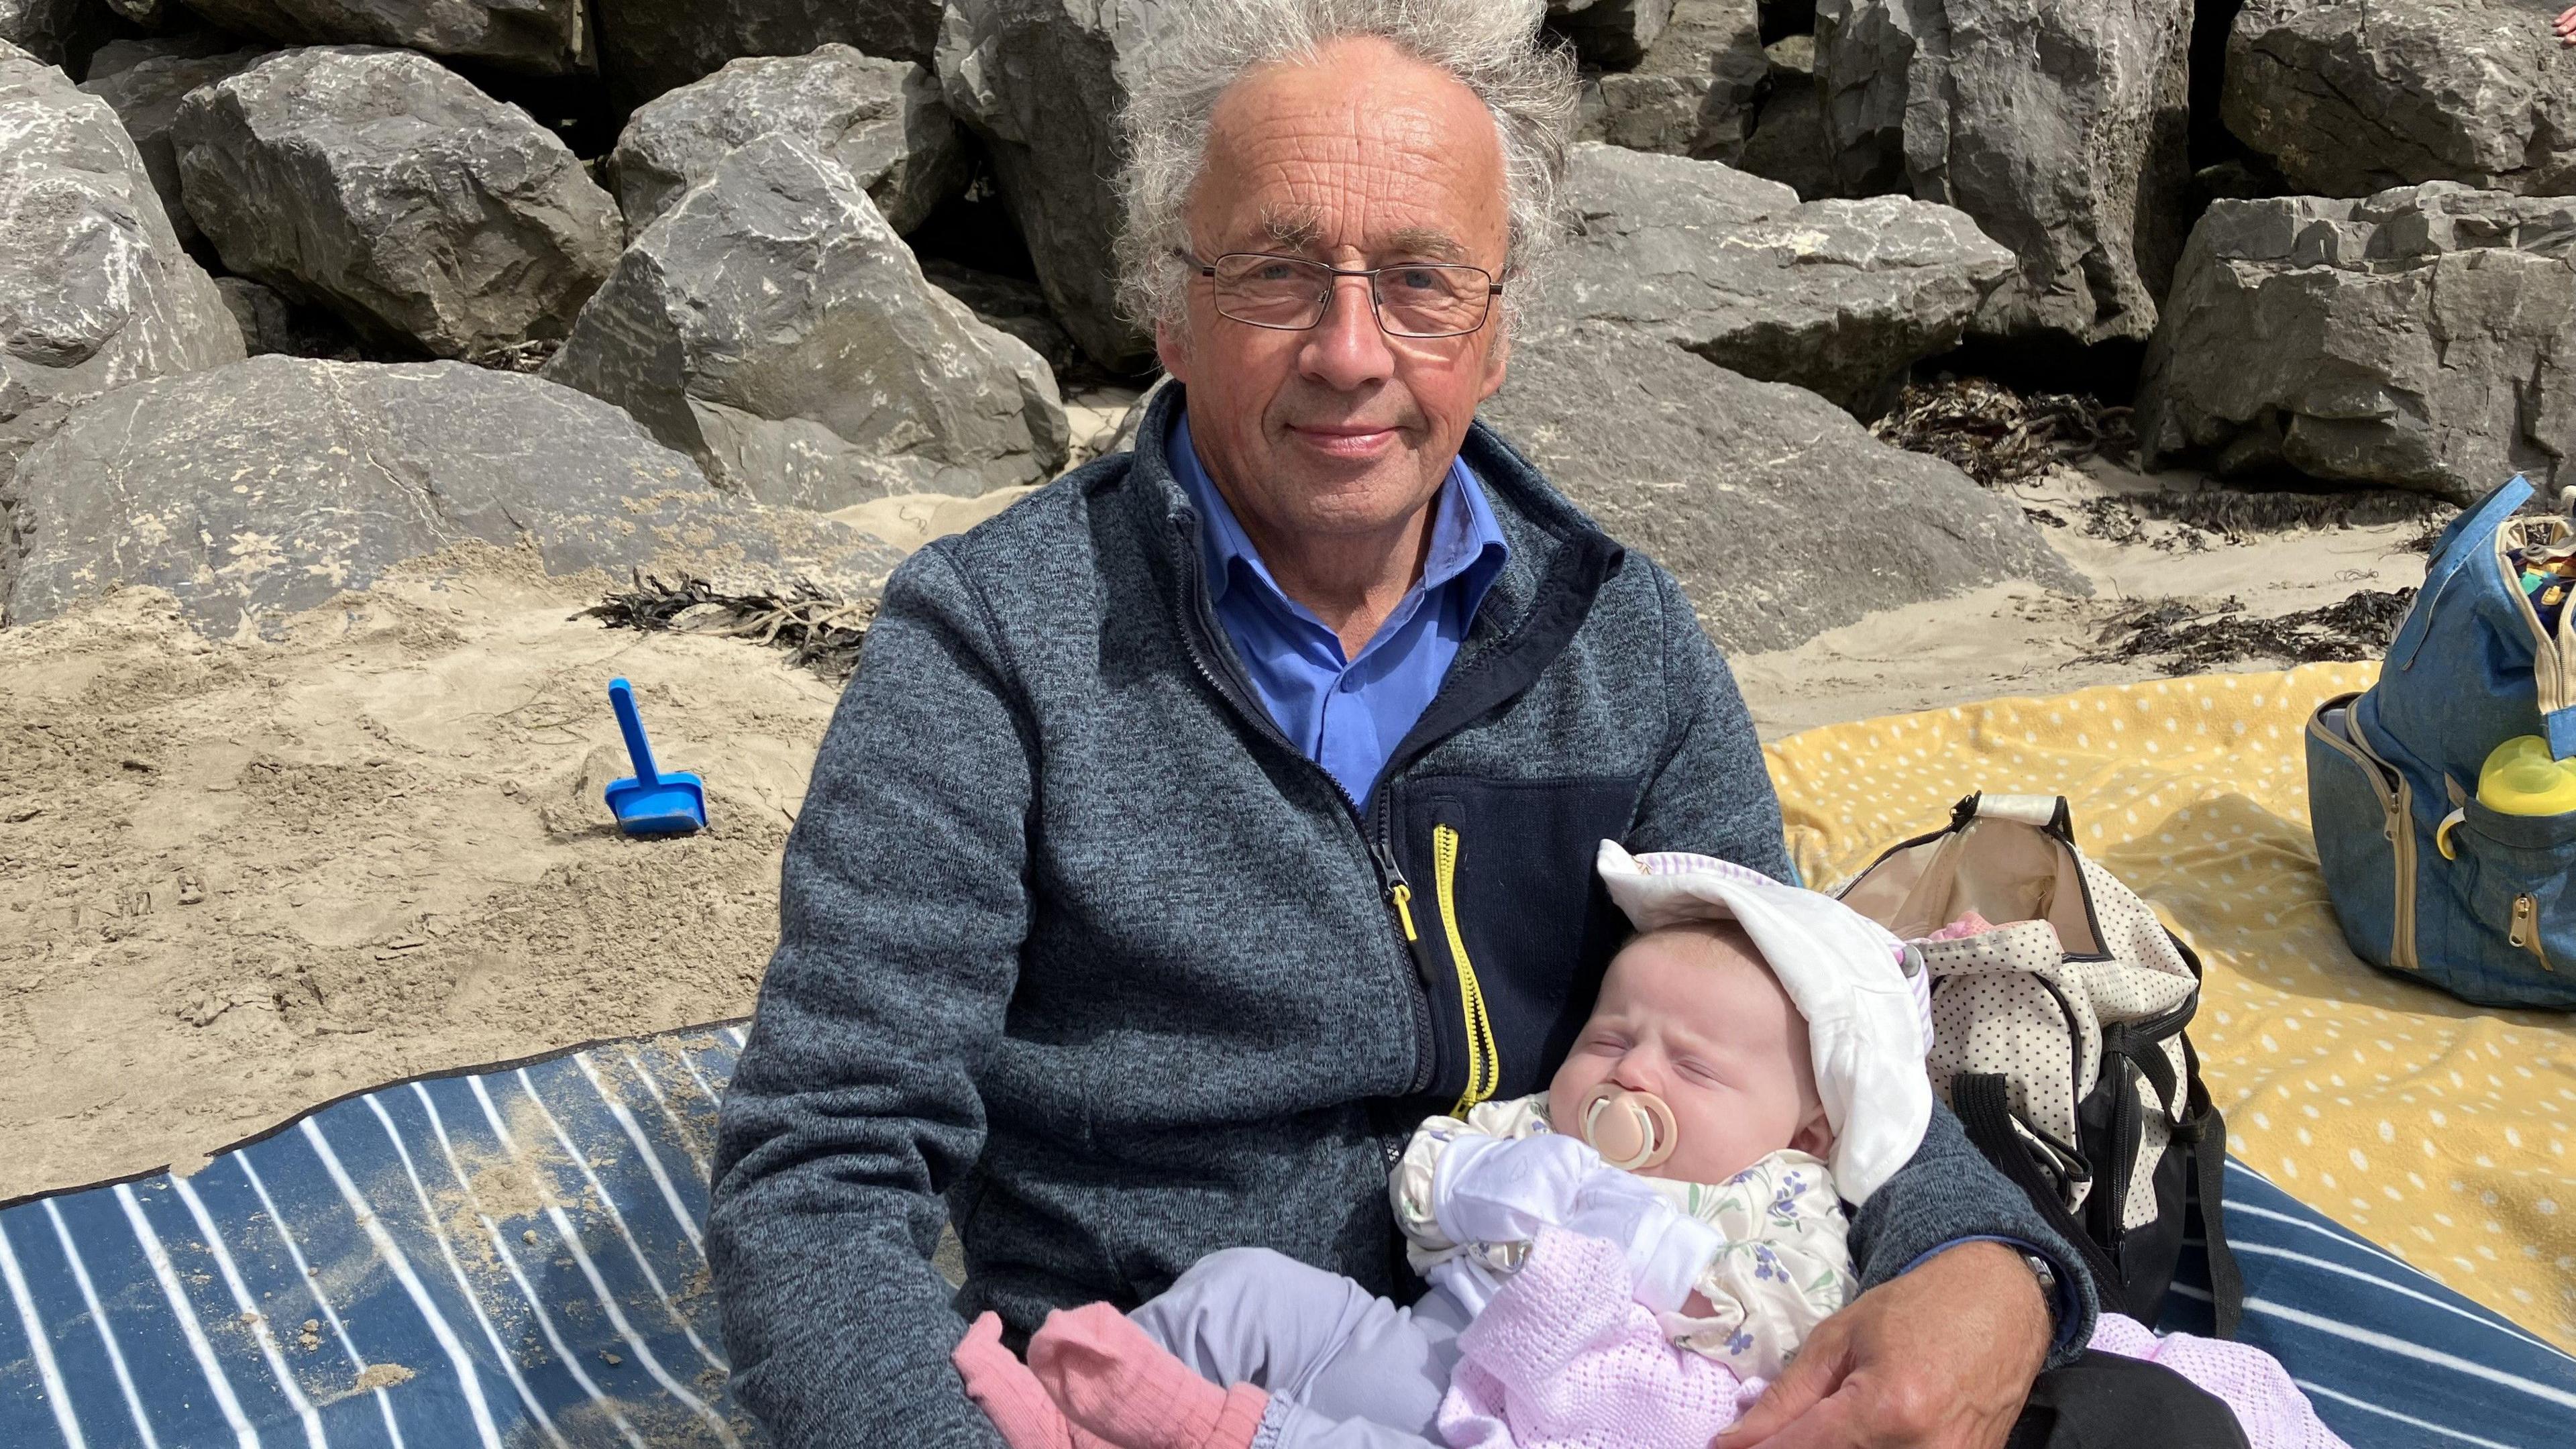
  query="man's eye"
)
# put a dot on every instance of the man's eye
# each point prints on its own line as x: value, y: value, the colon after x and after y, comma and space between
x: 1274, y: 272
x: 1415, y: 279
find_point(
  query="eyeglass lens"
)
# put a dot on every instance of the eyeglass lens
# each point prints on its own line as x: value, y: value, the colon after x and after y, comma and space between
x: 1426, y: 300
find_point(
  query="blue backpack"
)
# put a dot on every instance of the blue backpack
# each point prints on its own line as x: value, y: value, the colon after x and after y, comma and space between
x: 2428, y: 882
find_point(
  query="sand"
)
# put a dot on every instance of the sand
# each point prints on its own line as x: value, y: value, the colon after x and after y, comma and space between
x: 239, y: 878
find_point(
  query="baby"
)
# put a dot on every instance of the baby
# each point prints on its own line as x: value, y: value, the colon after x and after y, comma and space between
x: 1626, y: 1257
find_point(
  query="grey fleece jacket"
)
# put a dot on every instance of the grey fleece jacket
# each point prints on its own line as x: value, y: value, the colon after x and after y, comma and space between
x: 1073, y: 936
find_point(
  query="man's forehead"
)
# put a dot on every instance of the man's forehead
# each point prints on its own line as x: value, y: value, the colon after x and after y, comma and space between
x: 1366, y: 149
x: 1290, y: 228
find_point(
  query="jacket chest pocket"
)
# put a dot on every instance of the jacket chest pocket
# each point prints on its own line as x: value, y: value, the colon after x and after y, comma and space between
x: 1511, y: 930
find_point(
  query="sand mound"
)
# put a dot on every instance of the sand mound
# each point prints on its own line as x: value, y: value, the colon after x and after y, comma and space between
x: 240, y: 878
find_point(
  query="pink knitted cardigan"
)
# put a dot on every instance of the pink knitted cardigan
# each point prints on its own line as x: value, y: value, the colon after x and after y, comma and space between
x: 1563, y: 1358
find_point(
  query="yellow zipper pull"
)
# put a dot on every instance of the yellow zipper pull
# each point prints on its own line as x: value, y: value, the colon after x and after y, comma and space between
x: 1402, y: 895
x: 1399, y: 894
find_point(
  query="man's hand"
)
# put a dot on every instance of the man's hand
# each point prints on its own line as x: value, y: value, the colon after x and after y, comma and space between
x: 2565, y: 25
x: 1940, y: 1358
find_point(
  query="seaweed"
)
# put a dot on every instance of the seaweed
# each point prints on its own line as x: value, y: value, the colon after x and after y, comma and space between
x: 1998, y: 436
x: 821, y: 630
x: 2185, y: 637
x: 2234, y: 514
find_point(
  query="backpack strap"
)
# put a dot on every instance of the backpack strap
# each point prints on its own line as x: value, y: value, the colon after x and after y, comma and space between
x: 1984, y: 1108
x: 2206, y: 1131
x: 2043, y: 812
x: 2201, y: 1127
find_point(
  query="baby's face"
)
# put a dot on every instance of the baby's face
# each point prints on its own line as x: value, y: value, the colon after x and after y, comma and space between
x: 1694, y: 1017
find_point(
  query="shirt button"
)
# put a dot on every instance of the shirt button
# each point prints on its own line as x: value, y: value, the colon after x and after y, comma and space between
x: 1350, y: 683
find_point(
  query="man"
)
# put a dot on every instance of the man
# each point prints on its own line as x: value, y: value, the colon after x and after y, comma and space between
x: 1198, y: 825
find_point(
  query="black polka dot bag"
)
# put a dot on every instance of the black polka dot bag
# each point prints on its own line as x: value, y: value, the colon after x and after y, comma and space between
x: 2058, y: 1008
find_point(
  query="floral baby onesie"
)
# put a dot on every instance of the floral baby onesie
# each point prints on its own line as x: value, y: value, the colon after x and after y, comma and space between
x: 1785, y: 1265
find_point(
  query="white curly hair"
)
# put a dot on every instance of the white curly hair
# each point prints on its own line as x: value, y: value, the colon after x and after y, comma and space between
x: 1493, y: 47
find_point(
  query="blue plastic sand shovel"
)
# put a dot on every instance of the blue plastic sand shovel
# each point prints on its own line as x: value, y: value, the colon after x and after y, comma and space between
x: 651, y: 803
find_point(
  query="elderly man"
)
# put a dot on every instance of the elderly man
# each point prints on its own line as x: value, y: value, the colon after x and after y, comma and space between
x: 1201, y: 823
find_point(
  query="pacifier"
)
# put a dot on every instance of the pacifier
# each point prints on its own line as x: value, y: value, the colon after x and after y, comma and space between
x: 1629, y: 1129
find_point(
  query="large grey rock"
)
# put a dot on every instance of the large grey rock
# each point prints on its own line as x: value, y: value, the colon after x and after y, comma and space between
x: 2349, y: 98
x: 651, y: 46
x: 1007, y: 304
x: 1695, y: 90
x: 1788, y: 140
x: 57, y: 32
x: 1836, y: 296
x: 2422, y: 338
x: 1041, y: 82
x: 386, y: 188
x: 95, y: 292
x: 146, y: 94
x: 882, y: 119
x: 544, y: 37
x: 255, y: 490
x: 118, y: 55
x: 775, y: 328
x: 1782, y: 517
x: 1612, y: 33
x: 2060, y: 125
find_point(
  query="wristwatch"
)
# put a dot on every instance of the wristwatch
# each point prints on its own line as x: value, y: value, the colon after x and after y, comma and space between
x: 2046, y: 1273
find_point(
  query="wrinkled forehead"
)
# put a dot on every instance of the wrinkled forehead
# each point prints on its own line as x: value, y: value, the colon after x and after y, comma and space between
x: 1364, y: 150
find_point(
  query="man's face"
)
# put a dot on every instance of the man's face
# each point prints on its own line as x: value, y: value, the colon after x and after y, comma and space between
x: 1365, y: 159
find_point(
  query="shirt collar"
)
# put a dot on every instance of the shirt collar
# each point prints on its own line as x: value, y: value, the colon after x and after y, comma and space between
x: 1466, y: 542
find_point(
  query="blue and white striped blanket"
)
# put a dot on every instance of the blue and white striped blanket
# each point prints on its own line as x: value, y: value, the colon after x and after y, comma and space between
x: 514, y: 1257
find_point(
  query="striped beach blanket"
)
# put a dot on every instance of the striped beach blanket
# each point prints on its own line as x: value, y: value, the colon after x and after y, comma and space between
x: 515, y: 1257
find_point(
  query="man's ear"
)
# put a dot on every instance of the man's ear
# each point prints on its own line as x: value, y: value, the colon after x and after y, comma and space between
x: 1497, y: 359
x: 1172, y: 348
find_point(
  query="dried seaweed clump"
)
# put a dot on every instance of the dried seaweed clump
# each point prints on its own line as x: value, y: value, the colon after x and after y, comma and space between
x: 1998, y: 436
x: 822, y: 631
x: 2186, y: 637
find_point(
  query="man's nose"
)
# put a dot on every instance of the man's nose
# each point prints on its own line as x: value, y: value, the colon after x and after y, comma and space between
x: 1347, y: 351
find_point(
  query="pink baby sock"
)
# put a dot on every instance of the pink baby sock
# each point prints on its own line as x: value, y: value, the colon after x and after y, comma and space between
x: 1113, y: 1380
x: 1009, y: 1394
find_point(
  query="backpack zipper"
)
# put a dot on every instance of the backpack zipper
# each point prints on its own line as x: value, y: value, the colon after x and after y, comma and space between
x: 2396, y: 823
x: 2525, y: 934
x: 1484, y: 1061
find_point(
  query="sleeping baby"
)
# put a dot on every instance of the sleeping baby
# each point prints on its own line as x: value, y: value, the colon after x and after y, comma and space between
x: 1625, y: 1258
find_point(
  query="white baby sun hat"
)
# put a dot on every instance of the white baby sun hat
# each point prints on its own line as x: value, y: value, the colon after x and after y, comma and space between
x: 1868, y: 1023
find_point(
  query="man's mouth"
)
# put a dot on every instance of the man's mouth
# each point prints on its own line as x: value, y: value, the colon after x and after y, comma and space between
x: 1344, y: 439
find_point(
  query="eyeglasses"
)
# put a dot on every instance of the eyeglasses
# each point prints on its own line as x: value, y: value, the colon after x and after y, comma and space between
x: 1291, y: 294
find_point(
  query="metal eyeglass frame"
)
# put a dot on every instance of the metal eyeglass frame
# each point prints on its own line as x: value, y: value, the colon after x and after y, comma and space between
x: 1377, y: 313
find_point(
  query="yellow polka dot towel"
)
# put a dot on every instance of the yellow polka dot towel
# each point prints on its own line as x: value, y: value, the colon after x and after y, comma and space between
x: 2440, y: 1130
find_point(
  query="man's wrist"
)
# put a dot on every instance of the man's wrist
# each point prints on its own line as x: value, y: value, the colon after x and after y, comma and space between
x: 2057, y: 1294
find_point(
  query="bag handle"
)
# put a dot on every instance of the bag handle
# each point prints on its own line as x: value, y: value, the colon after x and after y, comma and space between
x: 2040, y: 812
x: 1984, y: 1109
x: 2206, y: 1131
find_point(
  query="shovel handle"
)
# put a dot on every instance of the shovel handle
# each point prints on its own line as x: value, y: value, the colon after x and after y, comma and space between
x: 621, y: 697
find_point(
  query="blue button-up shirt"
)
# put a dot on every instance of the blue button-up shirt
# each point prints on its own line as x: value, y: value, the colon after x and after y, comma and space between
x: 1348, y: 715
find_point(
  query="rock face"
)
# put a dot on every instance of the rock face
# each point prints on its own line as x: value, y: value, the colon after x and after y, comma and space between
x: 1613, y: 33
x: 270, y: 323
x: 882, y: 119
x: 1835, y: 296
x: 1693, y: 92
x: 1781, y: 516
x: 2422, y: 338
x: 651, y: 46
x: 2349, y: 98
x: 57, y: 32
x: 255, y: 490
x: 1007, y: 304
x: 775, y: 328
x: 146, y: 95
x: 94, y: 290
x: 545, y: 37
x: 1788, y: 140
x: 2060, y: 125
x: 1041, y: 81
x: 378, y: 184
